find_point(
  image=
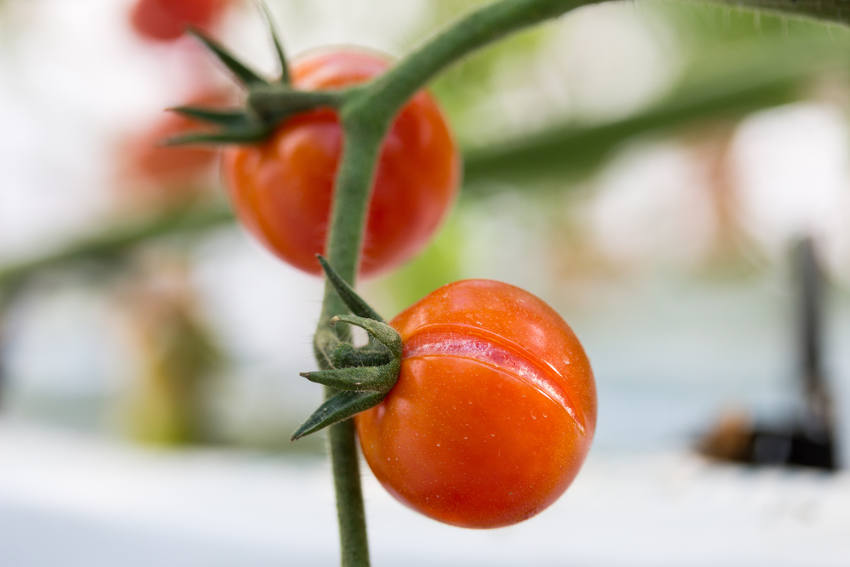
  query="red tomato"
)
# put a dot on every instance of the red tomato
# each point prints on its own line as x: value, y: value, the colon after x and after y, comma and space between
x: 166, y: 20
x: 282, y: 189
x: 169, y: 173
x: 493, y: 412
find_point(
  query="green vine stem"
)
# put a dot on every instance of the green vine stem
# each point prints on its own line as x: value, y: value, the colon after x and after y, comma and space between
x: 366, y: 113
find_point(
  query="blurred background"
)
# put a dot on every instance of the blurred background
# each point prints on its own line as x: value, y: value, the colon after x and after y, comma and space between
x: 672, y: 177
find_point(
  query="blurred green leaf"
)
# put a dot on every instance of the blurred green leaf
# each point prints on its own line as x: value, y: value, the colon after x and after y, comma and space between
x: 724, y: 84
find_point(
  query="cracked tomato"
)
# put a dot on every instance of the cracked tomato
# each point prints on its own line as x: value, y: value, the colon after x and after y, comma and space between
x: 493, y: 412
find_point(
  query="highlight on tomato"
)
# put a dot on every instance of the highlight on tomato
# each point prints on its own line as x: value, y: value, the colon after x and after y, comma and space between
x: 166, y: 20
x: 493, y: 412
x: 282, y: 188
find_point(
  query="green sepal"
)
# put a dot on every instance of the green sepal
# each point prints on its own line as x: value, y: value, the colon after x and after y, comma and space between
x: 226, y: 118
x: 346, y: 355
x: 354, y: 302
x: 278, y: 44
x: 363, y: 375
x: 337, y: 408
x: 240, y: 71
x: 267, y: 106
x: 378, y: 330
x: 232, y: 136
x: 359, y: 378
x: 278, y: 102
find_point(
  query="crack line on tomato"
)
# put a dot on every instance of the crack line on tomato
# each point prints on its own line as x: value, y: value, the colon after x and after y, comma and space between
x: 456, y: 340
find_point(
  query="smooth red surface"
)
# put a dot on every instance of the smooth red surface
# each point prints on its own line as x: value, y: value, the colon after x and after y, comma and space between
x: 493, y: 412
x: 282, y: 189
x: 166, y: 20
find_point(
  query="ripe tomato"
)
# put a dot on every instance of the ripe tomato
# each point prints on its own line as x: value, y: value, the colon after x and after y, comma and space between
x: 282, y: 189
x: 493, y: 412
x: 166, y: 20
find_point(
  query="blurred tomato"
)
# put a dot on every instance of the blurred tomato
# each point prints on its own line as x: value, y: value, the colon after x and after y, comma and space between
x: 166, y: 20
x: 166, y: 174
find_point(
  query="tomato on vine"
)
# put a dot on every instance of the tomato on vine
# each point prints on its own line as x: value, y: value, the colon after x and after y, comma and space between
x: 282, y: 188
x: 493, y: 411
x: 166, y: 20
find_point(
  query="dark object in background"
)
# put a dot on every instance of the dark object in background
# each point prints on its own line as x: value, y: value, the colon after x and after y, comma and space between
x: 809, y: 440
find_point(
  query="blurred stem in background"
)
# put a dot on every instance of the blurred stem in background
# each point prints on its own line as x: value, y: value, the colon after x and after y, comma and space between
x: 107, y: 247
x: 753, y: 79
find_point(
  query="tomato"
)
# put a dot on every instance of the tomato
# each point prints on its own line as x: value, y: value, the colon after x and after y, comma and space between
x: 169, y: 173
x: 166, y: 20
x: 493, y: 412
x: 282, y: 189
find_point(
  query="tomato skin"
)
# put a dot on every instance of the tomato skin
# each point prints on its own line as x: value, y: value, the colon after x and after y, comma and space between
x: 493, y: 412
x: 166, y: 20
x: 282, y: 189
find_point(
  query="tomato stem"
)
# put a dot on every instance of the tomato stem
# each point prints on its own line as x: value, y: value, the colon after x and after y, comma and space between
x: 276, y: 102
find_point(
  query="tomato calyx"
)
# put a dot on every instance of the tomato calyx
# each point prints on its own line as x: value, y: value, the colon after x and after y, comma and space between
x: 363, y: 375
x: 268, y: 103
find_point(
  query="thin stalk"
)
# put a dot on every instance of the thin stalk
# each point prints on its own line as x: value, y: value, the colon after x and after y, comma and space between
x: 348, y: 217
x: 390, y: 91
